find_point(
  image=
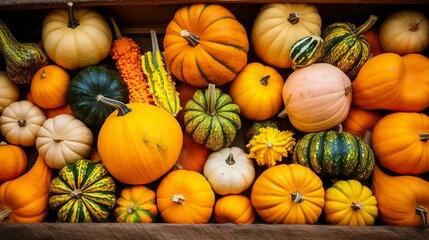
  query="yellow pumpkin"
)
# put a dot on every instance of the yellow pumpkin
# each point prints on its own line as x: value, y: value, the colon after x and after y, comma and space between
x: 234, y: 208
x: 9, y: 91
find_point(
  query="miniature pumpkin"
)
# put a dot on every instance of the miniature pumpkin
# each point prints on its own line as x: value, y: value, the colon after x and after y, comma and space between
x: 20, y: 122
x: 207, y: 41
x: 316, y: 97
x: 405, y: 31
x: 136, y: 204
x: 372, y: 36
x: 138, y: 142
x: 229, y: 171
x: 234, y: 208
x: 193, y: 155
x: 185, y: 197
x: 63, y: 140
x: 257, y: 91
x: 76, y: 38
x: 288, y: 194
x: 278, y: 26
x: 361, y: 121
x: 349, y: 203
x: 9, y: 91
x: 13, y: 162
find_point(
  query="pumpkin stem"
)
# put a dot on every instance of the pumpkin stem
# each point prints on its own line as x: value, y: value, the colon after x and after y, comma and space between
x: 192, y: 39
x: 423, y: 212
x: 120, y: 106
x: 211, y: 99
x: 178, y: 198
x: 423, y: 137
x: 414, y: 27
x: 270, y: 145
x: 4, y: 214
x: 347, y: 90
x: 22, y: 122
x: 294, y: 17
x: 155, y: 48
x: 367, y: 137
x: 57, y: 139
x: 77, y: 193
x: 116, y: 28
x: 264, y: 80
x: 131, y: 208
x: 340, y: 128
x: 230, y: 160
x: 357, y: 206
x: 297, y: 197
x: 43, y: 74
x: 73, y: 22
x: 3, y: 143
x: 367, y: 25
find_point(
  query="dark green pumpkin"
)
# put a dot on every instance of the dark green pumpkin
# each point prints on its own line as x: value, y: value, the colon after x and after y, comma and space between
x: 212, y: 118
x: 345, y: 47
x: 82, y: 192
x: 87, y: 85
x: 337, y: 155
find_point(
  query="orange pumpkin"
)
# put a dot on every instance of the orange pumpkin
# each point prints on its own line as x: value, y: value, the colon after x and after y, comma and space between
x: 13, y: 161
x: 193, y: 155
x: 63, y: 109
x: 234, y: 208
x: 186, y: 92
x: 372, y: 35
x: 391, y: 82
x: 361, y: 121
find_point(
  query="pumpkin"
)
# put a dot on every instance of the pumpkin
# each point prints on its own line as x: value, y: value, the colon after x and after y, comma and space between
x: 337, y: 155
x: 63, y: 109
x: 278, y: 26
x: 306, y: 51
x: 20, y: 121
x: 212, y: 118
x: 288, y: 194
x: 316, y: 97
x: 405, y: 77
x: 25, y: 199
x: 402, y: 200
x: 229, y: 171
x: 136, y: 204
x: 257, y: 91
x: 405, y: 31
x: 76, y: 38
x: 193, y: 155
x: 186, y: 92
x: 13, y: 161
x: 63, y: 140
x: 87, y: 85
x: 138, y: 142
x: 258, y: 125
x: 345, y: 47
x: 234, y: 208
x: 361, y: 122
x: 185, y: 196
x: 9, y: 91
x: 204, y: 43
x: 372, y: 36
x: 400, y: 142
x: 349, y: 203
x: 82, y: 192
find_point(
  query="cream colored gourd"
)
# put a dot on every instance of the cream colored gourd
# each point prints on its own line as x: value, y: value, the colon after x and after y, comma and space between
x: 9, y: 91
x: 63, y: 140
x: 20, y: 121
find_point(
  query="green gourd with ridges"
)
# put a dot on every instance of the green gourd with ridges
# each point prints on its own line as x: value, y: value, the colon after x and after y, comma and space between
x: 345, y: 47
x: 212, y: 118
x: 306, y: 51
x: 82, y: 192
x: 337, y: 155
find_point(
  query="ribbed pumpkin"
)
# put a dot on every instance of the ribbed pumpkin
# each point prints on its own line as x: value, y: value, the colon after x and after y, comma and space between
x: 212, y: 118
x: 193, y: 155
x: 345, y: 47
x: 337, y: 155
x: 84, y: 88
x: 9, y: 91
x: 139, y: 142
x: 136, y: 204
x: 234, y: 208
x: 204, y: 43
x: 361, y: 122
x: 82, y: 192
x: 13, y: 161
x: 306, y: 51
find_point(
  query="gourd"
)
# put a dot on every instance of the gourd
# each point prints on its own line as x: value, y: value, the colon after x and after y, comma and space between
x: 400, y: 141
x: 258, y: 125
x: 25, y: 199
x: 336, y: 155
x: 288, y: 194
x: 87, y: 85
x: 306, y: 51
x: 63, y: 140
x: 229, y: 171
x: 13, y: 161
x: 404, y: 76
x: 349, y: 203
x: 9, y: 91
x: 212, y: 118
x: 138, y: 142
x: 405, y: 31
x: 76, y: 38
x: 257, y: 91
x: 234, y: 208
x: 20, y: 121
x: 278, y: 26
x: 192, y: 156
x: 345, y: 47
x: 185, y: 197
x: 49, y: 86
x: 361, y: 122
x: 402, y: 200
x: 82, y: 192
x: 22, y: 59
x: 327, y: 98
x: 204, y: 43
x: 136, y: 204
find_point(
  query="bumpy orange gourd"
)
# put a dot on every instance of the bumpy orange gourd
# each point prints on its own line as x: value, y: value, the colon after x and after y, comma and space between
x: 25, y: 199
x: 361, y: 121
x: 234, y: 208
x: 13, y: 162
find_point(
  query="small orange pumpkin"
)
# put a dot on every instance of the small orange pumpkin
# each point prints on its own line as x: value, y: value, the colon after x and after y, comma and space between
x: 234, y: 208
x: 361, y: 121
x: 193, y: 155
x: 13, y: 162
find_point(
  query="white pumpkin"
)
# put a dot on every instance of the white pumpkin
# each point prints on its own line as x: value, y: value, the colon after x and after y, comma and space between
x: 229, y: 170
x: 9, y: 91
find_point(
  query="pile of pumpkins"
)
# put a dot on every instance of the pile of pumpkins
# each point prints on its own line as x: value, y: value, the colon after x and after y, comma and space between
x: 340, y: 139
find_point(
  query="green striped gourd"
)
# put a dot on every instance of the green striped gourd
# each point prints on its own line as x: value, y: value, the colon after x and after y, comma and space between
x: 212, y: 118
x: 306, y: 51
x: 337, y: 155
x: 345, y: 47
x: 82, y: 192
